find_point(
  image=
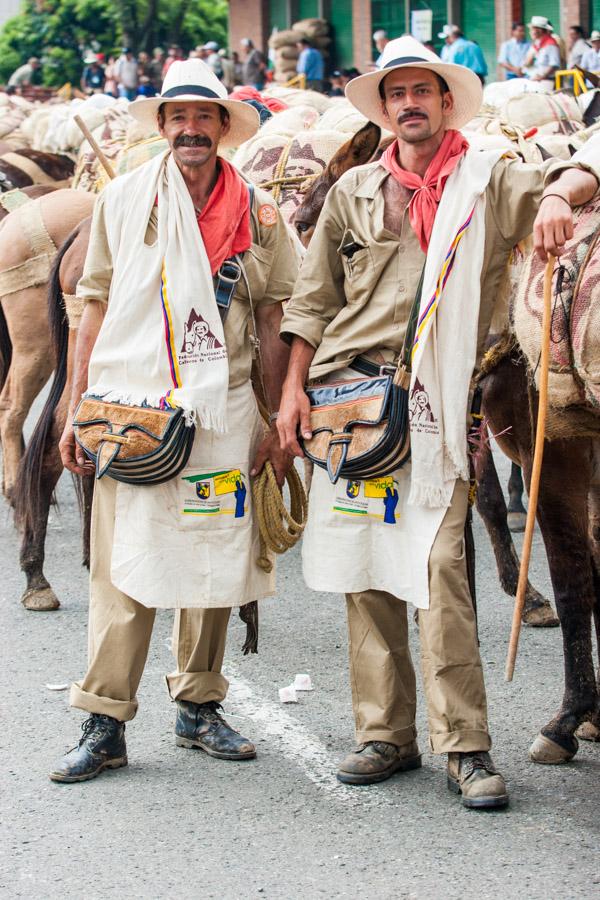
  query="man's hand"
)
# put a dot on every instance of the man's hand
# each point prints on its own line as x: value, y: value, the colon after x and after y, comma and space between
x: 73, y: 457
x: 294, y: 415
x: 553, y: 227
x: 271, y: 449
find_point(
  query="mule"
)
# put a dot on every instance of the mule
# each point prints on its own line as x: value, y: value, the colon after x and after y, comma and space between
x: 41, y: 466
x: 24, y: 167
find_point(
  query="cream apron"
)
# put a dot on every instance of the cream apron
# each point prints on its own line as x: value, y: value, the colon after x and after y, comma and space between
x: 363, y: 535
x: 194, y: 541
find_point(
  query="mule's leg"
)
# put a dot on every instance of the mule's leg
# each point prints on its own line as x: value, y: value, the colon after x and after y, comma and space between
x: 492, y: 509
x: 590, y: 731
x: 31, y: 365
x: 563, y: 519
x: 38, y: 594
x: 517, y: 514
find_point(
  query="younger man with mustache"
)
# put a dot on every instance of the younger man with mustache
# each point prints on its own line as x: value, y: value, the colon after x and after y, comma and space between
x: 436, y: 208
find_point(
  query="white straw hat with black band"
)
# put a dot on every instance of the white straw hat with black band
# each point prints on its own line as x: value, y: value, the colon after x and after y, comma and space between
x: 408, y: 53
x: 540, y: 22
x: 192, y: 80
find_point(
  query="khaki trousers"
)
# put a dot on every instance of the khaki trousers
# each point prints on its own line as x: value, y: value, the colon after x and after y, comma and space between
x: 381, y: 669
x: 119, y: 636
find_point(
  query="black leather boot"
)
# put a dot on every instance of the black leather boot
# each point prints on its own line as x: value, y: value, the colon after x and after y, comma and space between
x: 201, y: 725
x: 102, y: 746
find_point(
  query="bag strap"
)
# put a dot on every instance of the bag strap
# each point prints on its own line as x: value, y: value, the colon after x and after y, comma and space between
x: 229, y: 274
x: 411, y: 328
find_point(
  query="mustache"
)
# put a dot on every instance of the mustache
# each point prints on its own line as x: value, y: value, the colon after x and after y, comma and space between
x: 196, y: 140
x: 412, y: 114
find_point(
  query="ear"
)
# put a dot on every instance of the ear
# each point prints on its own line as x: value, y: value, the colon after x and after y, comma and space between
x: 448, y: 102
x: 355, y: 152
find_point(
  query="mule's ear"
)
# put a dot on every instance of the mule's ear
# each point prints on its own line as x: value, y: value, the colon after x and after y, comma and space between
x: 358, y: 150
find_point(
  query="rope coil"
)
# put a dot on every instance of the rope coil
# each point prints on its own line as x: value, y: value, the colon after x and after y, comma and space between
x: 279, y: 529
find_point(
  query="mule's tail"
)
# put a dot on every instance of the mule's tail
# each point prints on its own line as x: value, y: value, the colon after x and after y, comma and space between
x: 28, y: 488
x: 5, y: 349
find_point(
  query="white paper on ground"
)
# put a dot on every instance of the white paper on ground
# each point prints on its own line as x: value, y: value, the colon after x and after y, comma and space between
x: 303, y: 683
x: 288, y: 694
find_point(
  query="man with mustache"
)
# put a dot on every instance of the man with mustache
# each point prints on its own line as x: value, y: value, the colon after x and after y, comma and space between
x: 183, y: 239
x: 431, y: 209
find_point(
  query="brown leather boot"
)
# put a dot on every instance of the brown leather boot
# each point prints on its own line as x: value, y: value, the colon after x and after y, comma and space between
x: 376, y: 760
x: 475, y: 776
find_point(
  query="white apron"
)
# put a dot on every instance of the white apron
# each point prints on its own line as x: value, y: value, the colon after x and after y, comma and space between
x: 363, y: 535
x: 194, y: 541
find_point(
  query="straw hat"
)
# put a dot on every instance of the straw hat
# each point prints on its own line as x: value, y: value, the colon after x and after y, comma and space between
x: 595, y: 36
x: 192, y: 80
x: 408, y: 53
x: 540, y: 22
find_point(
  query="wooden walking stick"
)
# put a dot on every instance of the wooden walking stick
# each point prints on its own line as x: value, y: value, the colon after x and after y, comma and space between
x: 535, y: 473
x: 94, y: 145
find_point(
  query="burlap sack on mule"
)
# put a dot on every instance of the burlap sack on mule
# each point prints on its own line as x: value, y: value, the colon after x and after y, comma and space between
x: 574, y: 378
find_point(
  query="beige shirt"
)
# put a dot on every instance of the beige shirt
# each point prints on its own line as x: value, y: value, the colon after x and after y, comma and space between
x: 345, y: 307
x: 270, y: 265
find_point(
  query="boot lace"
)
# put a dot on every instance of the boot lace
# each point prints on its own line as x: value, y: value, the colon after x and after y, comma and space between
x: 94, y: 726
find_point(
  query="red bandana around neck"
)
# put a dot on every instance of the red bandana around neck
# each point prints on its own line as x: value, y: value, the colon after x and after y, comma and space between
x: 225, y: 220
x: 427, y: 190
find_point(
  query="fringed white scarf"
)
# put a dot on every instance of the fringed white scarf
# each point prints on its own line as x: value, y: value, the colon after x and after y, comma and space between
x: 161, y: 341
x: 443, y: 355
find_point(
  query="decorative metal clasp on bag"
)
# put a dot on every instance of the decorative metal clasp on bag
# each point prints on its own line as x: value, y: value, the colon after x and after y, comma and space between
x: 388, y: 369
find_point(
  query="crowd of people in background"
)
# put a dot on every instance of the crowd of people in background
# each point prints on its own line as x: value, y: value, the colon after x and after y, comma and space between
x: 533, y: 51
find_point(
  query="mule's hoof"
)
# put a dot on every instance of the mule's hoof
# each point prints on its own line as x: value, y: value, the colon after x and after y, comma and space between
x: 549, y: 753
x: 587, y: 731
x: 40, y: 600
x: 516, y: 521
x: 540, y: 616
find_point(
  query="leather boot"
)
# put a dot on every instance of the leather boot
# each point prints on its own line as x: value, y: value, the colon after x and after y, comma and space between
x: 102, y: 746
x: 475, y: 776
x: 376, y: 761
x: 201, y: 725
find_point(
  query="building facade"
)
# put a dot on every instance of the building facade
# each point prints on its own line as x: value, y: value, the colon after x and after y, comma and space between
x: 354, y: 21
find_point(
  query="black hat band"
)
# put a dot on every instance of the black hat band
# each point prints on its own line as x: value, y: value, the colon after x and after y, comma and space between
x: 401, y: 60
x: 190, y: 89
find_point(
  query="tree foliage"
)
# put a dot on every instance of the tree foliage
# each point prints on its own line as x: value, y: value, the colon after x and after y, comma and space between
x: 59, y: 31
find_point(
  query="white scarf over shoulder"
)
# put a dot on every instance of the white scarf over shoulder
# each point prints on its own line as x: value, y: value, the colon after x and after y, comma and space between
x: 161, y: 341
x: 444, y: 352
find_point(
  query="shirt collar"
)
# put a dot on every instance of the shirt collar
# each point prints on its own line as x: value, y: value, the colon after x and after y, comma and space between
x: 370, y: 182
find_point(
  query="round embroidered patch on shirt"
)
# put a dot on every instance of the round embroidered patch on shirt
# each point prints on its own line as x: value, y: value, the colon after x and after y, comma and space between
x: 267, y: 215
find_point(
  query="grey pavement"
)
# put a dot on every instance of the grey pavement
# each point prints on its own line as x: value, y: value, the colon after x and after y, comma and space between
x: 178, y: 824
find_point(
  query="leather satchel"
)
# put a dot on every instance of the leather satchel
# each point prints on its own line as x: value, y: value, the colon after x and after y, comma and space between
x: 133, y: 444
x: 360, y: 427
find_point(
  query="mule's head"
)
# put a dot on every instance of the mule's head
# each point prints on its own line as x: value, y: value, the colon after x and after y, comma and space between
x: 355, y: 152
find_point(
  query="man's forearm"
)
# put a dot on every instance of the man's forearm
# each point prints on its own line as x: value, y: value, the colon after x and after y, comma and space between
x: 301, y: 357
x: 274, y: 352
x: 575, y: 185
x: 87, y: 333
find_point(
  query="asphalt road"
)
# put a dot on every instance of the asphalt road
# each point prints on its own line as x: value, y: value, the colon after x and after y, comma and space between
x: 178, y: 824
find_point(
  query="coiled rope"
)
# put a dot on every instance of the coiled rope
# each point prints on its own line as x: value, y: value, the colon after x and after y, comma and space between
x: 279, y: 529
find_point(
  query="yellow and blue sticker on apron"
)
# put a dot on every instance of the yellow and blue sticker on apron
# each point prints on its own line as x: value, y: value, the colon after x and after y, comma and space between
x: 220, y: 493
x: 374, y: 499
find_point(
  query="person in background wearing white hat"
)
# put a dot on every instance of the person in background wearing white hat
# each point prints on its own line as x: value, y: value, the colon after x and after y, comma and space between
x: 449, y: 35
x: 590, y: 60
x: 380, y: 39
x: 544, y: 57
x: 92, y: 78
x: 432, y: 209
x: 184, y: 264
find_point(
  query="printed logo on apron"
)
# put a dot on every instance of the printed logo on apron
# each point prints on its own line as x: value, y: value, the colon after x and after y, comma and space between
x: 221, y: 493
x: 375, y: 499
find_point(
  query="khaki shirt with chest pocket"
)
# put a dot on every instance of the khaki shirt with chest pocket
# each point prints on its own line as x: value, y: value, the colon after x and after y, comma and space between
x: 270, y: 266
x: 359, y: 304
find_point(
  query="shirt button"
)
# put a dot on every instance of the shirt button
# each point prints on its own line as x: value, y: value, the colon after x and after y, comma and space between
x: 401, y: 286
x: 401, y: 248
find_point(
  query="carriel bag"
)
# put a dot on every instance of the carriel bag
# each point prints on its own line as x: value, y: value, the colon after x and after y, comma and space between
x: 133, y: 444
x: 360, y: 427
